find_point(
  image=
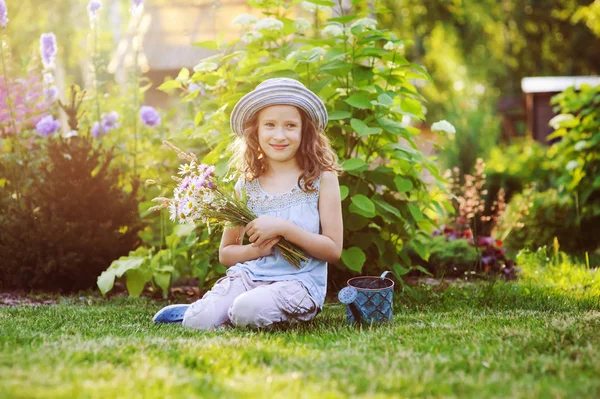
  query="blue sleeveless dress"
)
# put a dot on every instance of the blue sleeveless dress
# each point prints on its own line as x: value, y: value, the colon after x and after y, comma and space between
x: 302, y: 209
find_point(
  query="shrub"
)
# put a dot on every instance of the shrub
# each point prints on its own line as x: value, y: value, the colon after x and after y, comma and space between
x: 73, y: 221
x: 514, y: 167
x: 577, y: 157
x: 532, y: 220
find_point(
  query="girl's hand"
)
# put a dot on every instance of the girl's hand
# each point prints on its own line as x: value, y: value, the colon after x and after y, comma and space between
x: 263, y: 228
x: 266, y: 248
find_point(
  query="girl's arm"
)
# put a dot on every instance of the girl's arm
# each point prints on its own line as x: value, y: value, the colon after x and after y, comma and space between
x: 231, y: 250
x: 326, y: 246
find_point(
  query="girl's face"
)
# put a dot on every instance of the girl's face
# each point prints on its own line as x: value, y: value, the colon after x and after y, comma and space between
x: 279, y: 132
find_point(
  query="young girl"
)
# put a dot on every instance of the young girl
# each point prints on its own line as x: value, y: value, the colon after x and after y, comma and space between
x: 289, y: 173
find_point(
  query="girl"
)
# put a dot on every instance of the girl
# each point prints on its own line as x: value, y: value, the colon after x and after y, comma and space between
x: 289, y: 173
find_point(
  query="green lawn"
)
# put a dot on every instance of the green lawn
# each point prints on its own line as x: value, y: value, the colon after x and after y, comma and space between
x: 534, y: 338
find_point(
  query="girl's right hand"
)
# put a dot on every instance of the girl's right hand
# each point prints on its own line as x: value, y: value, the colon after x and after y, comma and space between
x: 266, y: 248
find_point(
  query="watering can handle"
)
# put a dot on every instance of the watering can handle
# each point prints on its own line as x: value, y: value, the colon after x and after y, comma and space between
x: 385, y: 273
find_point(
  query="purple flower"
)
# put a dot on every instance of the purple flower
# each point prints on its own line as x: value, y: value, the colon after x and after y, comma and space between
x: 48, y: 49
x: 93, y: 8
x: 149, y: 116
x: 51, y: 94
x: 109, y: 121
x: 97, y: 130
x: 137, y: 3
x: 47, y: 126
x: 3, y: 14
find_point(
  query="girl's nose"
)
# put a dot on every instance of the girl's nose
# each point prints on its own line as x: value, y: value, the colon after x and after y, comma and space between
x: 279, y: 133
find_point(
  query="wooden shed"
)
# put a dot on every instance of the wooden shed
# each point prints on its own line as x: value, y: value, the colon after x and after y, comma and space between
x: 538, y: 93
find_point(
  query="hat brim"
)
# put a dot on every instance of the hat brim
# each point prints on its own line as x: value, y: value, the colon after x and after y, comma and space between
x: 281, y: 94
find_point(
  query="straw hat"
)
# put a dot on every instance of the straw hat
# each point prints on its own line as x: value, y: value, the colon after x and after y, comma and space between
x: 278, y: 91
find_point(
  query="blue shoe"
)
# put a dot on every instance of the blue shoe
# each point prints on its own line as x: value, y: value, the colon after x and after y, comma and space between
x: 170, y: 314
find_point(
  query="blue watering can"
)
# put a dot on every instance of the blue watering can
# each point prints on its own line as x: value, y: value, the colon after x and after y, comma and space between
x: 368, y: 299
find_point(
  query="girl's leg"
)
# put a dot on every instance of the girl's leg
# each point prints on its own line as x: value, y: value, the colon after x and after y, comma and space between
x: 273, y: 303
x: 211, y: 311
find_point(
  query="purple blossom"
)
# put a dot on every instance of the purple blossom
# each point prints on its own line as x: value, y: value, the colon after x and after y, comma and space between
x: 149, y: 116
x: 51, y: 94
x: 137, y: 3
x: 48, y: 49
x: 93, y: 8
x: 3, y: 14
x: 97, y: 130
x: 47, y: 126
x: 109, y: 121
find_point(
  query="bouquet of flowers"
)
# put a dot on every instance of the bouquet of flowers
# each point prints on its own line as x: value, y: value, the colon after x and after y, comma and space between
x: 199, y: 195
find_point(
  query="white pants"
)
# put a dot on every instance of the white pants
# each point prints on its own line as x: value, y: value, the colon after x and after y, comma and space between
x: 237, y: 300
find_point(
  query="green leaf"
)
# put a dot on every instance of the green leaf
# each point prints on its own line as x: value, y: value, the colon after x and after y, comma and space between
x: 353, y: 208
x: 198, y: 118
x: 354, y: 164
x: 423, y: 71
x: 136, y: 280
x: 343, y: 20
x: 402, y: 185
x: 386, y: 100
x: 423, y: 270
x: 326, y: 3
x: 359, y: 100
x: 106, y: 281
x: 337, y: 115
x: 344, y: 192
x: 413, y: 107
x: 362, y: 129
x: 363, y: 203
x: 415, y: 212
x: 207, y: 44
x: 391, y: 126
x: 387, y: 207
x: 169, y: 85
x: 400, y: 270
x: 163, y: 280
x: 420, y: 250
x: 184, y: 75
x: 355, y: 221
x: 354, y: 258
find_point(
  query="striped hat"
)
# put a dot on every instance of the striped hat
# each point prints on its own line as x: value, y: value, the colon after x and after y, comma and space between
x: 278, y: 91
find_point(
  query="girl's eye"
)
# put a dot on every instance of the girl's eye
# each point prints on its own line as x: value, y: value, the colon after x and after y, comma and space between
x: 291, y: 125
x: 269, y: 124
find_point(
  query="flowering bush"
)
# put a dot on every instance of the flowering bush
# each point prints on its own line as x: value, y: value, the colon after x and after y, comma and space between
x: 464, y: 246
x: 367, y: 91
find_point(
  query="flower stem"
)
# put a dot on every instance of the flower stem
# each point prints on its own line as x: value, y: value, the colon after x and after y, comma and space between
x: 17, y: 147
x: 96, y: 79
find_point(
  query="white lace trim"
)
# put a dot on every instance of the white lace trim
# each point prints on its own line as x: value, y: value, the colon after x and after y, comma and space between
x: 261, y: 201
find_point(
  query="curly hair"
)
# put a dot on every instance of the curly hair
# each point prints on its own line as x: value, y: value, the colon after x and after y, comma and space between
x: 314, y: 156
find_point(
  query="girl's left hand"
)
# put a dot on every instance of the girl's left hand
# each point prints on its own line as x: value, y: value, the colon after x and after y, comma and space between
x: 263, y: 228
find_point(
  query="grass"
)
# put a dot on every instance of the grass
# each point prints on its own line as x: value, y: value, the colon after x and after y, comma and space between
x: 538, y: 337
